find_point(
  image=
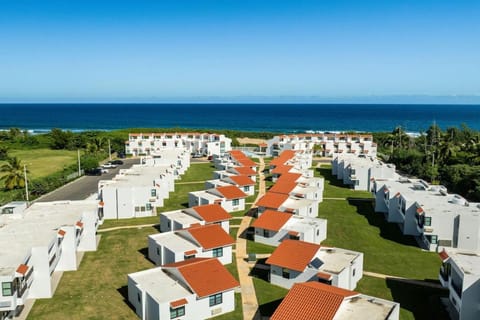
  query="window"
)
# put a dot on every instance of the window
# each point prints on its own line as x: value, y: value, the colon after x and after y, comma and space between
x: 266, y: 234
x: 286, y: 273
x: 318, y: 232
x: 7, y: 289
x: 246, y: 188
x: 310, y: 210
x: 235, y: 202
x: 177, y: 312
x: 169, y: 225
x: 139, y: 297
x: 353, y: 273
x: 428, y: 221
x: 217, y: 252
x: 148, y: 206
x: 158, y: 251
x: 215, y: 299
x: 434, y: 239
x: 153, y: 193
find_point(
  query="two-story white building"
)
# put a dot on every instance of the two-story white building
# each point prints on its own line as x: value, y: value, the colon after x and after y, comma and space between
x: 38, y: 242
x: 359, y: 171
x: 230, y: 198
x: 314, y: 300
x: 244, y: 183
x: 236, y: 171
x: 296, y: 261
x: 306, y: 190
x: 286, y: 203
x: 436, y: 218
x: 460, y: 274
x: 198, y: 288
x: 328, y: 144
x: 203, y: 215
x: 197, y: 241
x: 199, y: 143
x: 272, y: 227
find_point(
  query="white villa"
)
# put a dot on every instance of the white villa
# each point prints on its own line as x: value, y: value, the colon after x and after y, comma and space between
x: 236, y: 171
x: 199, y: 143
x: 314, y: 300
x: 230, y: 198
x: 300, y: 187
x: 244, y: 183
x: 197, y: 241
x: 301, y: 160
x: 436, y: 218
x: 272, y: 227
x: 203, y: 215
x: 286, y: 203
x: 359, y: 171
x: 460, y: 274
x: 198, y: 288
x: 296, y: 261
x: 39, y: 242
x: 329, y: 143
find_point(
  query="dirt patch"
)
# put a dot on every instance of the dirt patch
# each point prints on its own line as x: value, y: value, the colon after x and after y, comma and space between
x: 251, y: 141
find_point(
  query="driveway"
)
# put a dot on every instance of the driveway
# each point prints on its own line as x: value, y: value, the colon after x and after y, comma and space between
x: 85, y: 186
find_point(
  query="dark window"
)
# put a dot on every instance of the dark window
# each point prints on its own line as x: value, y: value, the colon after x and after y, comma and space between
x: 286, y: 273
x: 217, y: 252
x: 428, y: 221
x: 177, y: 312
x: 215, y: 299
x: 7, y: 289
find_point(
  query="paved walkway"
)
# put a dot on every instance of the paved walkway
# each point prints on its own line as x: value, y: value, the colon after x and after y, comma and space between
x: 249, y: 298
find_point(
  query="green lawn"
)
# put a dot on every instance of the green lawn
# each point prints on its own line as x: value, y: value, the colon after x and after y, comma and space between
x: 269, y: 296
x: 198, y: 172
x: 97, y: 290
x: 334, y: 188
x: 256, y: 247
x: 42, y: 162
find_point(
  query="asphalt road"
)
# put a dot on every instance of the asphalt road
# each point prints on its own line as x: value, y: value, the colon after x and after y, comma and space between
x: 85, y: 186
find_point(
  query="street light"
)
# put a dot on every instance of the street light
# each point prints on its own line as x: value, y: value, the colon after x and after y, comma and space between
x: 26, y: 181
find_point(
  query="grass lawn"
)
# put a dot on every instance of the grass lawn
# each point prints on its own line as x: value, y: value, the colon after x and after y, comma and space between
x: 269, y: 296
x: 42, y: 162
x: 237, y: 314
x: 416, y: 302
x: 97, y: 290
x: 256, y: 247
x: 198, y: 172
x: 334, y: 188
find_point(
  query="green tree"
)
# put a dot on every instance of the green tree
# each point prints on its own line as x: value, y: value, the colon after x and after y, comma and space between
x: 14, y: 174
x: 89, y: 162
x: 61, y: 139
x: 3, y: 152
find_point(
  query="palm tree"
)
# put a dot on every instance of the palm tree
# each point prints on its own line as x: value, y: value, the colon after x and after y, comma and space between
x: 14, y: 174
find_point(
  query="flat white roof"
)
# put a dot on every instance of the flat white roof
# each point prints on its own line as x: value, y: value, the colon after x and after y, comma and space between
x: 336, y: 259
x: 174, y: 242
x: 296, y: 203
x: 206, y: 195
x: 363, y: 307
x: 159, y: 285
x: 302, y: 224
x: 468, y: 262
x: 36, y: 227
x: 180, y: 216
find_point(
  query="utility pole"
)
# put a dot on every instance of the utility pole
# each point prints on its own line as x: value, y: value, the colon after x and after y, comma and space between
x: 26, y: 181
x: 109, y: 151
x: 79, y: 168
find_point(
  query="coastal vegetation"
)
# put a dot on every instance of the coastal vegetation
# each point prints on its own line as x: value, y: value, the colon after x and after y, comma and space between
x: 450, y: 157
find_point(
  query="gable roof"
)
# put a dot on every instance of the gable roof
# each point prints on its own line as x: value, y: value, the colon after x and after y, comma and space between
x: 231, y: 192
x: 283, y: 157
x: 245, y: 171
x: 246, y: 162
x: 212, y: 213
x: 205, y: 276
x: 289, y: 176
x: 242, y: 180
x: 211, y: 236
x: 293, y: 254
x: 272, y: 220
x: 311, y: 301
x: 283, y: 186
x: 281, y: 169
x: 272, y: 200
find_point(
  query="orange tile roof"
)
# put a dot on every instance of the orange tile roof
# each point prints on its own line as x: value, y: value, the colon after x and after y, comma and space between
x: 289, y: 176
x: 245, y: 171
x: 79, y: 224
x: 205, y: 276
x: 293, y: 254
x: 22, y: 269
x: 282, y: 158
x: 242, y: 180
x: 211, y: 236
x: 293, y: 233
x: 178, y: 303
x: 231, y: 192
x: 212, y: 213
x: 281, y: 169
x: 443, y: 255
x: 61, y: 233
x: 247, y: 162
x: 311, y: 301
x: 190, y: 252
x: 283, y: 186
x: 324, y: 275
x: 272, y: 220
x: 272, y: 200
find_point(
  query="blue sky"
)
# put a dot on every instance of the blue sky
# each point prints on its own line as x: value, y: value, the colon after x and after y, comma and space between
x: 181, y: 50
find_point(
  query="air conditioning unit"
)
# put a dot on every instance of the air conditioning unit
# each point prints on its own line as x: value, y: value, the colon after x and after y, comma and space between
x: 216, y: 311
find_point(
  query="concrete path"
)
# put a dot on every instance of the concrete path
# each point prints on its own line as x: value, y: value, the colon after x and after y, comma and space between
x: 249, y: 298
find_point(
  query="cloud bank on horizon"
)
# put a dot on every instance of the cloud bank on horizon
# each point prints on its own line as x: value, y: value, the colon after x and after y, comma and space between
x: 240, y: 50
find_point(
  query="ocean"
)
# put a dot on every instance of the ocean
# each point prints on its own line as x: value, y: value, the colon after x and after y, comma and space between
x: 288, y: 118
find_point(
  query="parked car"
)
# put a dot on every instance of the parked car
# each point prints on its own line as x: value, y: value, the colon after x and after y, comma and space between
x: 116, y: 162
x: 109, y: 165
